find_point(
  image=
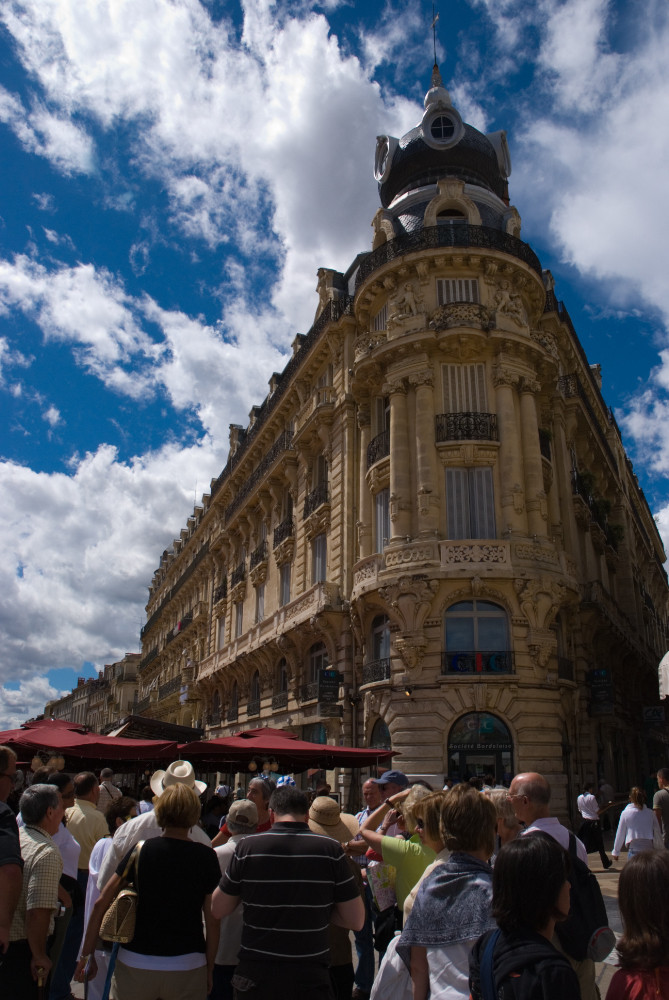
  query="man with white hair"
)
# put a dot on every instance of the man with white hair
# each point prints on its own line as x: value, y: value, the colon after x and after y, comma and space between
x: 145, y: 827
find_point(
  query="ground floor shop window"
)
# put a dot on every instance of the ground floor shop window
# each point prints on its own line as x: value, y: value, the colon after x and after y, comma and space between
x: 480, y: 744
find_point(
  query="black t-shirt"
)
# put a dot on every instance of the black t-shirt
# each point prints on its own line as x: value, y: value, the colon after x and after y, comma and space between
x: 174, y: 878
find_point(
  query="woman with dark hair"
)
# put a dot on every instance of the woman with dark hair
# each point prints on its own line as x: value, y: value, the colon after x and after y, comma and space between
x: 637, y: 827
x: 530, y: 893
x: 643, y: 891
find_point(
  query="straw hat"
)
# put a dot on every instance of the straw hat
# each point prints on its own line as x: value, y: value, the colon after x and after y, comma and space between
x: 326, y: 817
x: 180, y: 772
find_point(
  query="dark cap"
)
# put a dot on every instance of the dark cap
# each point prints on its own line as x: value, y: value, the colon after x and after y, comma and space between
x: 397, y: 778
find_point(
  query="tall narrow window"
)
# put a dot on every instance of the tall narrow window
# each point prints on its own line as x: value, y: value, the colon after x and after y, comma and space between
x: 381, y: 318
x: 319, y: 559
x: 239, y: 618
x: 318, y: 660
x: 260, y: 602
x: 321, y: 471
x: 284, y: 584
x: 470, y: 503
x: 382, y: 414
x: 380, y: 638
x: 464, y: 388
x: 382, y: 518
x: 221, y: 633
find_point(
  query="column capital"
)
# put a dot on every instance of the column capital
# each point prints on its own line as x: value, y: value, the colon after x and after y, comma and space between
x: 363, y: 416
x: 504, y: 376
x: 529, y: 384
x: 396, y: 388
x: 422, y: 379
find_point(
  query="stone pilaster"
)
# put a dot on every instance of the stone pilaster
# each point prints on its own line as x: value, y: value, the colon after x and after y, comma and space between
x: 535, y: 497
x: 510, y: 458
x: 364, y: 499
x: 400, y: 458
x: 427, y: 503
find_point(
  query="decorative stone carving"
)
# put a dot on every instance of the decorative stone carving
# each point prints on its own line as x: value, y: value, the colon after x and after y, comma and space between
x: 541, y: 644
x: 318, y: 522
x: 368, y: 571
x: 283, y: 553
x: 413, y: 554
x: 238, y: 592
x: 547, y: 341
x: 540, y: 600
x: 410, y: 599
x: 459, y: 314
x: 422, y: 378
x: 259, y: 573
x: 363, y: 415
x: 475, y: 554
x: 411, y: 648
x: 479, y: 696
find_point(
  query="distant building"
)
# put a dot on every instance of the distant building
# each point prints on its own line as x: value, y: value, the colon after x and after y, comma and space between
x: 429, y: 535
x: 100, y: 702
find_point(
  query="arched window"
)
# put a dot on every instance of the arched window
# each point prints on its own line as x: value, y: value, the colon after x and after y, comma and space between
x: 476, y: 639
x: 216, y: 703
x: 377, y: 667
x: 480, y: 744
x: 380, y: 736
x: 281, y: 677
x: 233, y: 709
x: 449, y: 216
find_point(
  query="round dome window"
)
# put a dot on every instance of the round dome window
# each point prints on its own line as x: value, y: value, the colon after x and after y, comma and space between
x: 442, y: 128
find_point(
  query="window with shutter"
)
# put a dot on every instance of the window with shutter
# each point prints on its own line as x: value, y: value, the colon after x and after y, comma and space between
x: 381, y: 318
x: 464, y: 388
x: 457, y: 290
x: 382, y: 519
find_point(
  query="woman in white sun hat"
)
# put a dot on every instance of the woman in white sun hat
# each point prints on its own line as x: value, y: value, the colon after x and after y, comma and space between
x: 146, y: 826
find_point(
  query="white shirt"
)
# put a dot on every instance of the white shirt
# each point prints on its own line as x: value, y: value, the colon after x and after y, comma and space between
x: 588, y: 806
x: 142, y: 827
x: 230, y: 938
x: 557, y: 831
x: 635, y: 824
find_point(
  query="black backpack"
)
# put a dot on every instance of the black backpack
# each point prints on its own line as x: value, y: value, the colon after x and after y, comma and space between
x: 586, y: 932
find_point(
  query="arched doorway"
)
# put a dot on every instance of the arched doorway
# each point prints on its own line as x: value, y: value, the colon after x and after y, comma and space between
x: 380, y: 736
x: 478, y: 744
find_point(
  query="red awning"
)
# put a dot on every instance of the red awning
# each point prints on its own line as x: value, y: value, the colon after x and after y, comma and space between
x: 87, y: 746
x: 291, y: 754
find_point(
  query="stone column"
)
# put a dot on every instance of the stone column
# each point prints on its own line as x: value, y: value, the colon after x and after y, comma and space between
x: 535, y: 497
x: 400, y: 457
x: 427, y: 501
x: 510, y: 467
x: 364, y: 499
x: 563, y: 483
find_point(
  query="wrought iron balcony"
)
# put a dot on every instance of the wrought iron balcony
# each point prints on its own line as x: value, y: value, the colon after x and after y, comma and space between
x: 309, y: 692
x: 280, y: 699
x: 238, y: 574
x: 231, y: 714
x: 180, y: 627
x: 284, y: 530
x: 259, y: 555
x: 466, y: 427
x: 315, y: 499
x: 377, y: 670
x: 142, y: 704
x: 253, y: 707
x: 151, y: 655
x: 472, y: 661
x: 213, y: 719
x: 221, y: 591
x: 565, y: 669
x: 434, y: 237
x: 169, y: 687
x: 378, y: 448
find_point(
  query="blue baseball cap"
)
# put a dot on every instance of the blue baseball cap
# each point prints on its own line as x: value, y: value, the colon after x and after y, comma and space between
x: 396, y: 777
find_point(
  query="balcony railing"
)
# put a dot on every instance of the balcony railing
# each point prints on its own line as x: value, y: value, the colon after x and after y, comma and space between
x: 253, y: 707
x: 231, y: 714
x: 259, y: 555
x: 280, y: 699
x: 309, y: 692
x: 282, y: 443
x: 434, y: 237
x: 466, y: 427
x: 213, y: 719
x: 565, y: 669
x: 238, y: 574
x: 221, y: 591
x: 283, y: 531
x: 151, y: 655
x: 315, y: 499
x: 377, y: 670
x: 180, y: 627
x: 142, y: 704
x: 169, y: 687
x: 472, y: 661
x: 378, y: 448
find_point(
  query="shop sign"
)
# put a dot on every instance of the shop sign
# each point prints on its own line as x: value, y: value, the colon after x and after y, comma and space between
x: 601, y: 691
x: 483, y: 747
x: 654, y: 714
x: 328, y: 686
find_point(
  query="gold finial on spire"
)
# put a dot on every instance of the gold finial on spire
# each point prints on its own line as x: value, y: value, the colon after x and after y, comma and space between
x: 435, y: 18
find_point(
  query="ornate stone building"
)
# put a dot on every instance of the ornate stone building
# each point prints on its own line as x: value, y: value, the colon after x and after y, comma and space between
x: 429, y: 533
x: 100, y: 702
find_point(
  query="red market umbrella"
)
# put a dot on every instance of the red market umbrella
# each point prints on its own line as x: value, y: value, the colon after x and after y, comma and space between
x: 89, y: 746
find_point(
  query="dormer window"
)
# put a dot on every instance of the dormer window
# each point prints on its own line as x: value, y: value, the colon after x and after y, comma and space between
x: 451, y: 216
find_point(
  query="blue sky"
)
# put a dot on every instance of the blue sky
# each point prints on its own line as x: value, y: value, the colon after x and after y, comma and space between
x: 174, y: 172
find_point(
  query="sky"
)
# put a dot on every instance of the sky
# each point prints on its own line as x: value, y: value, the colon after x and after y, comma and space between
x: 172, y: 175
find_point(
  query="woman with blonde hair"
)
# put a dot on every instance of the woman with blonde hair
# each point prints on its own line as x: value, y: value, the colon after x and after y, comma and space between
x: 168, y: 957
x: 638, y: 827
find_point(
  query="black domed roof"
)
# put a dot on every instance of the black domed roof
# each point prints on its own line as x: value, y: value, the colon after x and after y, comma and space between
x: 442, y: 146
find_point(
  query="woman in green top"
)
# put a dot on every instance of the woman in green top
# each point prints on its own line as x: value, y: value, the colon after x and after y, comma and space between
x: 406, y: 853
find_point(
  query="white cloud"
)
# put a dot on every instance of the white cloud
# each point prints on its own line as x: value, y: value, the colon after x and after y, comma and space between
x: 52, y: 416
x: 46, y: 134
x: 26, y: 701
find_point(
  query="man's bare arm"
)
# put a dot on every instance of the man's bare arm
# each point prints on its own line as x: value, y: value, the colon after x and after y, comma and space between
x: 350, y: 914
x: 223, y: 904
x: 37, y: 930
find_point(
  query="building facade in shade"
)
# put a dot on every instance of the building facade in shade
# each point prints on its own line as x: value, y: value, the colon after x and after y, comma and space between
x: 429, y: 535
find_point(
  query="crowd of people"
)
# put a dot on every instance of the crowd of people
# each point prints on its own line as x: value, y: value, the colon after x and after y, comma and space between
x: 473, y: 890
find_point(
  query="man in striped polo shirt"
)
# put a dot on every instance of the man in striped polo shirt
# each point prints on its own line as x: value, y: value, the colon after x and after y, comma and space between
x: 293, y: 883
